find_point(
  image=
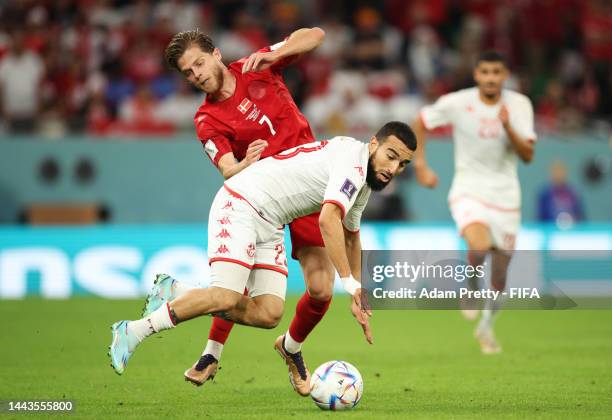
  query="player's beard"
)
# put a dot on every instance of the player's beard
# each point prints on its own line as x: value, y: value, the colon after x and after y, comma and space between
x: 491, y: 94
x: 215, y: 82
x: 374, y: 183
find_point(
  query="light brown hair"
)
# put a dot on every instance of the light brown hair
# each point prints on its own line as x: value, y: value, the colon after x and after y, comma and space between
x: 182, y: 41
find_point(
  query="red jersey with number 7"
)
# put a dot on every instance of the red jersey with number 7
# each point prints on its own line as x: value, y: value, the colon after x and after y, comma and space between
x: 260, y: 108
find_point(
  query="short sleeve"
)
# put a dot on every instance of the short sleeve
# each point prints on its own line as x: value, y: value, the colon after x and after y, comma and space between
x: 347, y: 177
x: 521, y: 119
x: 215, y: 141
x: 352, y: 220
x: 439, y: 113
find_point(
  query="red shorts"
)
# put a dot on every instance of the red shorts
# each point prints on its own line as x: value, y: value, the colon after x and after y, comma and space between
x: 305, y: 232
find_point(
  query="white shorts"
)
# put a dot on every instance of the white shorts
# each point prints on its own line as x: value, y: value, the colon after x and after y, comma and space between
x: 238, y: 234
x: 502, y: 223
x: 257, y: 282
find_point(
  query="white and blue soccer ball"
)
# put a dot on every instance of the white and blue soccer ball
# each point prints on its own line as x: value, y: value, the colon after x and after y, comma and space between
x: 336, y: 385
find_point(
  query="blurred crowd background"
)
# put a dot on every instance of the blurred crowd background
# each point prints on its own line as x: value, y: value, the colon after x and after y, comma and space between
x: 96, y: 67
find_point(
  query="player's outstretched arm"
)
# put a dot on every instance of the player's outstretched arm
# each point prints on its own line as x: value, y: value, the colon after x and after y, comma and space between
x: 229, y: 166
x: 299, y: 42
x: 336, y: 244
x: 352, y: 242
x: 359, y: 306
x: 424, y: 174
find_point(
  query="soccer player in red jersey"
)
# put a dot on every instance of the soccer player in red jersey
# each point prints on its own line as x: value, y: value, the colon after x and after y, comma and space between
x: 249, y: 114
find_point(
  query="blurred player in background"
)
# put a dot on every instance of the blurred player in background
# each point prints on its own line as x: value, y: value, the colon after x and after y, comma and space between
x: 249, y: 114
x: 492, y: 126
x: 335, y: 177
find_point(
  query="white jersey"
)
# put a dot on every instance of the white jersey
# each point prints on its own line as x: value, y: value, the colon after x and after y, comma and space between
x: 485, y: 163
x: 298, y: 181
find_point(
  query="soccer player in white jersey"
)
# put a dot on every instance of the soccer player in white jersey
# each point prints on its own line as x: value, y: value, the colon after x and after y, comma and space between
x: 492, y: 127
x: 246, y: 235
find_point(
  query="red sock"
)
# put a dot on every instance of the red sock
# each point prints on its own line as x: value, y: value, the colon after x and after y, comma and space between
x: 308, y: 313
x: 220, y: 329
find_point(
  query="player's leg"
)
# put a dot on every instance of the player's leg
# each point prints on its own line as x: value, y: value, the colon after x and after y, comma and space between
x: 271, y: 255
x: 223, y: 297
x: 165, y: 289
x: 471, y: 219
x: 264, y: 308
x: 206, y: 366
x: 221, y: 233
x: 479, y: 240
x: 500, y: 260
x: 231, y: 238
x: 484, y: 331
x: 318, y: 272
x: 228, y: 280
x: 504, y: 226
x: 309, y: 311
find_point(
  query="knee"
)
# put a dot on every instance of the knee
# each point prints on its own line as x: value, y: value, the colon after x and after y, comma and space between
x: 271, y: 318
x: 319, y: 282
x: 321, y: 290
x: 479, y: 245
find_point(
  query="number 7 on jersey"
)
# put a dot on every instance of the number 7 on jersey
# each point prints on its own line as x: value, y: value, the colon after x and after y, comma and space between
x: 264, y: 119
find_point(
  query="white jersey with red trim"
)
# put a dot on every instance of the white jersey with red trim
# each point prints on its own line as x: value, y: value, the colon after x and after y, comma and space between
x: 485, y: 162
x: 298, y: 181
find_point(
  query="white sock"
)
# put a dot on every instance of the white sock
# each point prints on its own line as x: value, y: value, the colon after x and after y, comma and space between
x: 291, y: 345
x: 489, y: 313
x: 180, y: 288
x: 157, y: 321
x: 214, y: 348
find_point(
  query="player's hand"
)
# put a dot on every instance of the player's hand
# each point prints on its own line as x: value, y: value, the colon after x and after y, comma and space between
x: 254, y: 151
x: 360, y: 308
x: 426, y: 176
x: 259, y: 61
x: 503, y: 115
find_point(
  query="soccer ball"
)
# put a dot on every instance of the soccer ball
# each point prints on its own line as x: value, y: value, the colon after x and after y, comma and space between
x: 336, y: 385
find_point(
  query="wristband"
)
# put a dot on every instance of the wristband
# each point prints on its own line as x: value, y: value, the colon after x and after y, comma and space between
x: 350, y: 284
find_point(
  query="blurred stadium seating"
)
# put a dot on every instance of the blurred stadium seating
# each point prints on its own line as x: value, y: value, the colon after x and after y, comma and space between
x: 96, y: 67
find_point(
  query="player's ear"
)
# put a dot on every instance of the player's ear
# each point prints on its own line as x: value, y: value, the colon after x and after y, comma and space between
x: 217, y: 54
x: 373, y: 144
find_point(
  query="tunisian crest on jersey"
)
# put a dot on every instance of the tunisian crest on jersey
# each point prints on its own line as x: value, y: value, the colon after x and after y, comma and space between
x: 348, y: 188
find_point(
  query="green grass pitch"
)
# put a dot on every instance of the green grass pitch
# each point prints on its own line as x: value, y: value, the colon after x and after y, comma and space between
x: 423, y: 364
